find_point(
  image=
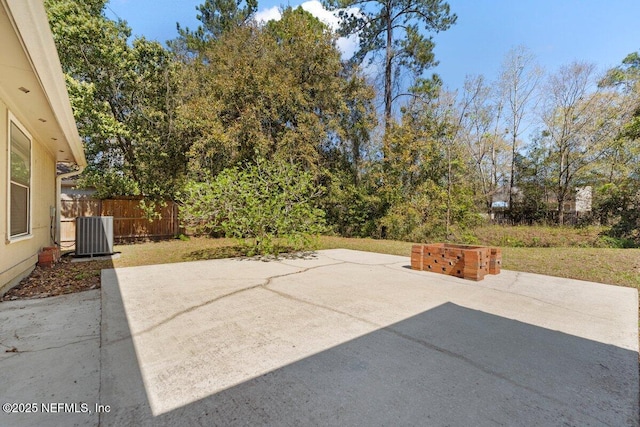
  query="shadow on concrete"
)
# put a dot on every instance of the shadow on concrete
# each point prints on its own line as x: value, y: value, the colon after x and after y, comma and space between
x: 446, y: 366
x: 213, y: 253
x: 239, y: 253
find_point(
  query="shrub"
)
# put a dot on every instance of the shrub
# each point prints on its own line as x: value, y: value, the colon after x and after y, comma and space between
x: 351, y: 209
x: 262, y: 205
x: 621, y: 205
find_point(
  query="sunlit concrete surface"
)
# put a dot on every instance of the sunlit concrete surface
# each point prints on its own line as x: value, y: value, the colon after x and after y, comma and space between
x: 354, y: 338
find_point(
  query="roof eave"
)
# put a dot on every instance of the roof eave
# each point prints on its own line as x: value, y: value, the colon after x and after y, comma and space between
x: 39, y: 46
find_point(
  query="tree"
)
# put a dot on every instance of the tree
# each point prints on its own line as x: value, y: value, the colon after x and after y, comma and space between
x: 123, y: 98
x: 425, y: 184
x: 480, y: 117
x: 217, y: 17
x: 625, y: 76
x: 618, y: 198
x: 275, y: 91
x: 519, y: 79
x: 397, y: 27
x: 581, y: 124
x: 624, y: 154
x: 357, y: 120
x: 533, y: 178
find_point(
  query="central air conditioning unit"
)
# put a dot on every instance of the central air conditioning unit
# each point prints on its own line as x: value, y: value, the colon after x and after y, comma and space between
x: 94, y: 235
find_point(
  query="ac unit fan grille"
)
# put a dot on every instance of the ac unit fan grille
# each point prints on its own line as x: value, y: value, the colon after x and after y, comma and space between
x: 94, y: 235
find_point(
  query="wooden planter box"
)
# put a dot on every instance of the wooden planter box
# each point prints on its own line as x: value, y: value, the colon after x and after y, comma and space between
x: 467, y: 262
x: 48, y: 256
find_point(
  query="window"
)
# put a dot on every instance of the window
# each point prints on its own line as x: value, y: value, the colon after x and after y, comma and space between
x: 20, y: 181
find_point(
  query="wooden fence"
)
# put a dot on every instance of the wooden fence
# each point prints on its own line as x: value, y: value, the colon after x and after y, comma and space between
x: 129, y: 220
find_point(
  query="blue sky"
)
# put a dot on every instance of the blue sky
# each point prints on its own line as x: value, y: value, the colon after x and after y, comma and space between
x: 556, y: 31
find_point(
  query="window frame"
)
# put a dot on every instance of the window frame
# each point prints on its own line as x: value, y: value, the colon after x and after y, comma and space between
x: 12, y: 119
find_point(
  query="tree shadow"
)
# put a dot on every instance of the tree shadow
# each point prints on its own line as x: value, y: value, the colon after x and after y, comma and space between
x: 239, y: 253
x: 214, y: 253
x: 292, y: 255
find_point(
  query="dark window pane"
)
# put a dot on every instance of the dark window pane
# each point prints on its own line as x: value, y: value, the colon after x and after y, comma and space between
x: 19, y: 210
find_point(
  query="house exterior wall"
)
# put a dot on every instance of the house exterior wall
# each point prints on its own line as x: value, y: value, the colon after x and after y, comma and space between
x: 18, y: 258
x: 583, y: 199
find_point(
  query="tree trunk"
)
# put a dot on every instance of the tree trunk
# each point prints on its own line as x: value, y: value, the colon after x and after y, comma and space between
x: 560, y: 210
x: 448, y: 189
x: 513, y: 172
x: 387, y: 74
x: 355, y: 150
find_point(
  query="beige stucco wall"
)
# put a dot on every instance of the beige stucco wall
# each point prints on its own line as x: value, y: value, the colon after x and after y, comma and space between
x: 18, y: 258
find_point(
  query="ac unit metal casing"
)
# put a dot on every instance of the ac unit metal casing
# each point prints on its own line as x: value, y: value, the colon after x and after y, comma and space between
x: 94, y: 235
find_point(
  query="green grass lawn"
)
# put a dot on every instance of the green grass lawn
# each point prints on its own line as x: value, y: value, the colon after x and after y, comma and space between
x: 613, y: 266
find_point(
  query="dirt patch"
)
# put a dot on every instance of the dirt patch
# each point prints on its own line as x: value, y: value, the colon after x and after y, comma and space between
x: 65, y: 277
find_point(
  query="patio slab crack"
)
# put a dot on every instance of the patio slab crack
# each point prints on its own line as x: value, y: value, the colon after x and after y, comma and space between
x: 264, y: 285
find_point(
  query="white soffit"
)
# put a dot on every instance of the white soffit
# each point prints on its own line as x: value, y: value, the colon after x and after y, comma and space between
x: 31, y: 79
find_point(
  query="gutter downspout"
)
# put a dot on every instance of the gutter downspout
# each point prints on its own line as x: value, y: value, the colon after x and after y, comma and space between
x: 59, y: 179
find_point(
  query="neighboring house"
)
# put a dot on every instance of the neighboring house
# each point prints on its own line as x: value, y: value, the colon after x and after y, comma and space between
x: 71, y: 192
x: 583, y: 200
x: 37, y: 131
x: 580, y: 203
x: 69, y: 189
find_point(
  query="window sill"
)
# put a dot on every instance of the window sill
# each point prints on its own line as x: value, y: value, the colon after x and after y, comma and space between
x: 19, y: 238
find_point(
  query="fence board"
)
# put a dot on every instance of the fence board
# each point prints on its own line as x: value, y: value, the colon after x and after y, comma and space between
x: 129, y: 221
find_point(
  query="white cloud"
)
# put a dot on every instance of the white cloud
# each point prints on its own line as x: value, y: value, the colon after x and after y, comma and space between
x: 316, y: 8
x: 346, y: 45
x: 265, y: 15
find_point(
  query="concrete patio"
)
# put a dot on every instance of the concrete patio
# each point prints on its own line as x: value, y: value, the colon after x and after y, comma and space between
x: 339, y: 338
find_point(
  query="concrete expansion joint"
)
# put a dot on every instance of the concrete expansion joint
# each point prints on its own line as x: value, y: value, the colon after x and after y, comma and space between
x: 17, y: 350
x: 334, y: 310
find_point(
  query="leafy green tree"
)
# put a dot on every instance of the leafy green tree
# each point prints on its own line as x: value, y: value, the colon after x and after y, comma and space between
x: 275, y: 91
x: 398, y: 28
x: 356, y: 121
x: 260, y: 204
x: 618, y: 198
x: 626, y: 76
x: 425, y: 185
x: 623, y: 156
x: 352, y: 210
x: 123, y: 97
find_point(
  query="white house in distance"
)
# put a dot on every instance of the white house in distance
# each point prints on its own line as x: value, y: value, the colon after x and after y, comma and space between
x: 37, y: 131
